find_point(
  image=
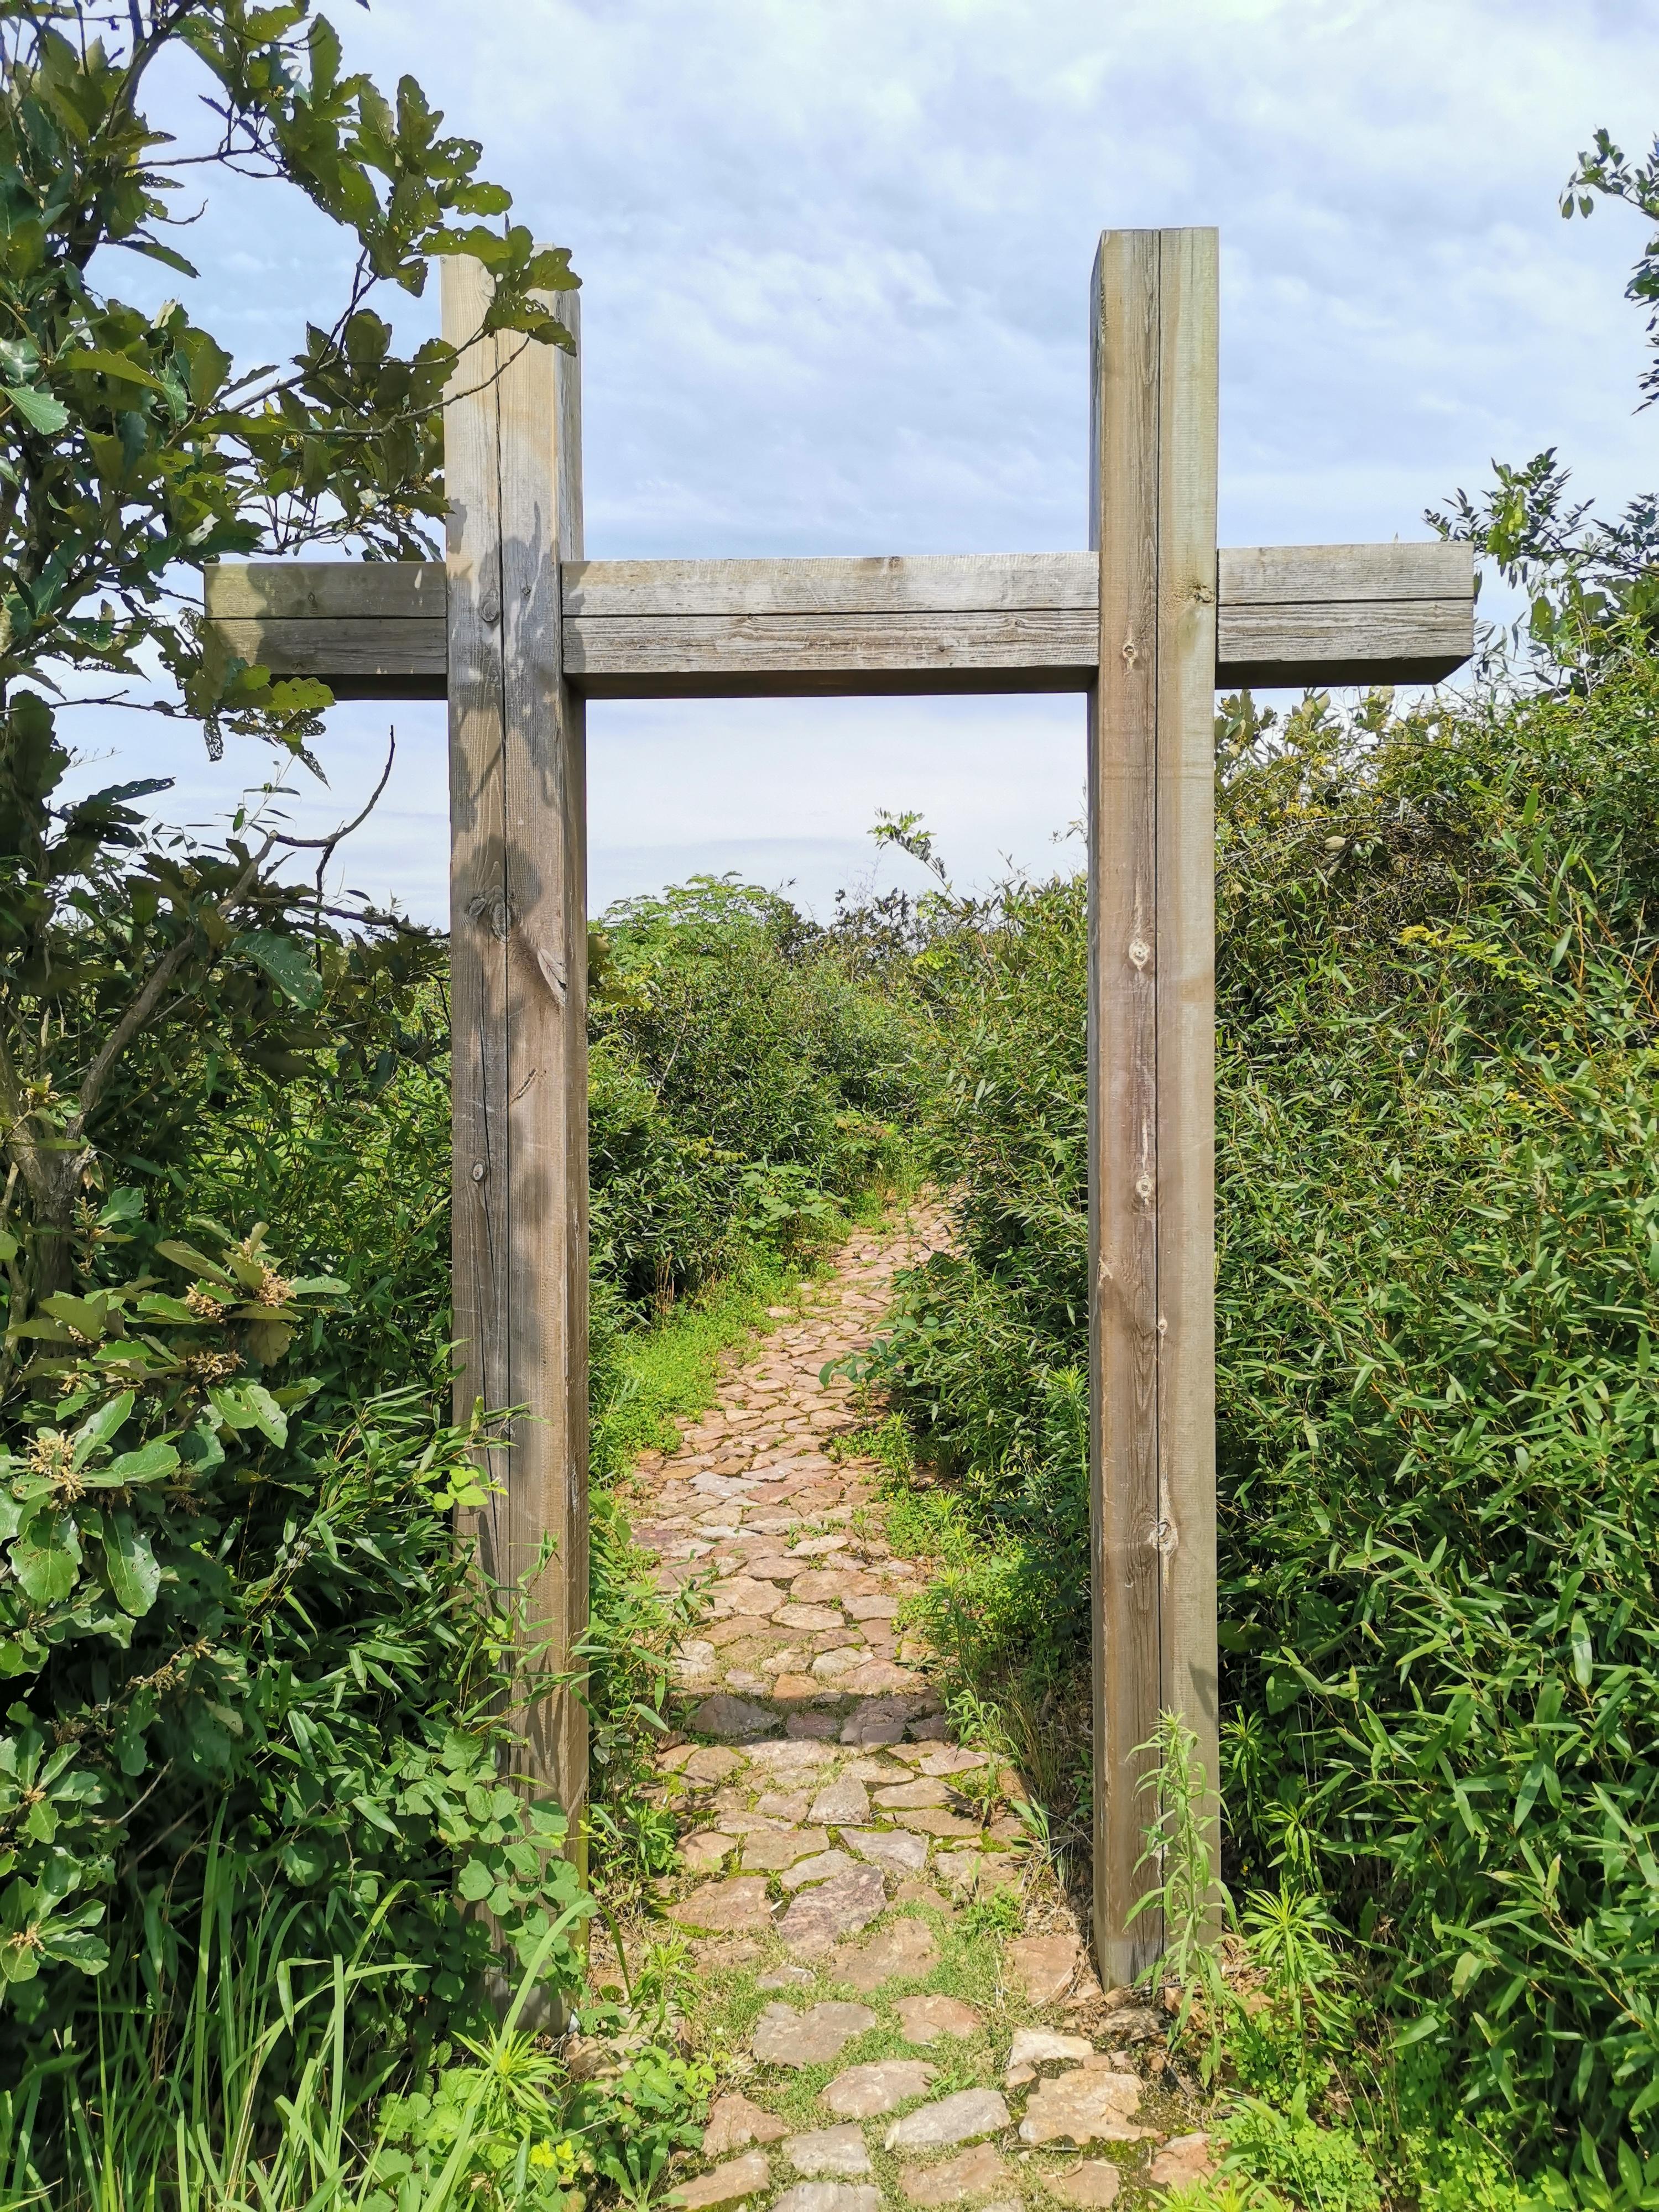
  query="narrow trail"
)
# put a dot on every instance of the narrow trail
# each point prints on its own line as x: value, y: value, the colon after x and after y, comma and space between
x: 895, y: 1993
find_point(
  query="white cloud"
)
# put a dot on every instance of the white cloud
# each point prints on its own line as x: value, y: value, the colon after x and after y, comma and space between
x: 836, y: 256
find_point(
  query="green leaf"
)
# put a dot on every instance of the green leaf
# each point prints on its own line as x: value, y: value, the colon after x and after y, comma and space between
x: 284, y: 961
x: 47, y: 1558
x: 133, y: 1574
x: 99, y: 1425
x: 476, y: 1883
x: 186, y: 1256
x: 151, y: 1462
x: 38, y: 409
x: 88, y: 1317
x: 268, y: 1415
x: 99, y: 362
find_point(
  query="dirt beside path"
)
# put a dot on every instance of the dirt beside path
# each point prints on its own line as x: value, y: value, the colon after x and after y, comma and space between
x: 896, y: 1992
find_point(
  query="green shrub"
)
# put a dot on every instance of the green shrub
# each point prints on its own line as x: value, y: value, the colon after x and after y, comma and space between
x: 1438, y: 1152
x: 235, y: 1610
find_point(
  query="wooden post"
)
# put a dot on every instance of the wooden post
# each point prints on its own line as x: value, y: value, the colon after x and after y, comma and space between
x: 518, y: 980
x: 1150, y: 1040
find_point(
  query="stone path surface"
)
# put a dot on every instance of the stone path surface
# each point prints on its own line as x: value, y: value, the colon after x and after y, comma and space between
x: 895, y: 1993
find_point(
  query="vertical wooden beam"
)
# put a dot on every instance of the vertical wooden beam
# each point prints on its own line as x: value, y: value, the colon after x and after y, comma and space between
x: 518, y: 979
x: 1151, y: 1040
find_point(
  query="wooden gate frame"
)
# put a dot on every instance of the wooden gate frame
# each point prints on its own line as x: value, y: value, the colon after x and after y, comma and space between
x: 517, y: 630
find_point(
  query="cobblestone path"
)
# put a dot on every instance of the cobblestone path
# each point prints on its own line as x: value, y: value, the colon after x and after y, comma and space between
x: 894, y: 1992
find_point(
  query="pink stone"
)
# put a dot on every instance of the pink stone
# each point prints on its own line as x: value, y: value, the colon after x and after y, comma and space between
x: 1183, y: 2160
x: 733, y: 2122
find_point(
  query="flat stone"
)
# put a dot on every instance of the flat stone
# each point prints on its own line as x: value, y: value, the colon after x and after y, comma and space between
x: 1089, y: 2106
x: 871, y: 1608
x: 973, y: 2172
x: 841, y: 1664
x: 818, y: 1583
x: 722, y: 1908
x: 842, y: 1800
x: 902, y: 1951
x: 726, y: 2184
x: 1134, y: 2024
x: 784, y: 2037
x: 821, y: 1726
x: 779, y: 1848
x: 892, y: 1847
x: 952, y: 2120
x: 830, y: 2197
x: 820, y: 1868
x: 863, y: 2091
x: 790, y: 1755
x: 841, y: 1907
x: 704, y: 1852
x: 819, y: 1547
x: 869, y: 1728
x: 726, y: 1715
x: 877, y: 1676
x: 783, y: 1804
x: 909, y: 1794
x: 950, y: 1759
x: 933, y: 1820
x: 1038, y: 2046
x: 790, y: 1689
x: 1041, y: 1966
x: 925, y: 2019
x: 1183, y: 2160
x: 743, y: 1594
x: 733, y: 2122
x: 711, y: 1762
x: 1092, y: 2186
x: 694, y: 1665
x: 830, y: 2150
x: 959, y: 1867
x: 808, y: 1617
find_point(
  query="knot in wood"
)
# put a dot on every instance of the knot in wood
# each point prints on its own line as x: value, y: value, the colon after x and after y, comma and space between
x: 1144, y: 1188
x: 1140, y: 951
x: 1131, y: 652
x: 1166, y: 1537
x: 478, y: 1170
x: 489, y: 608
x: 494, y: 910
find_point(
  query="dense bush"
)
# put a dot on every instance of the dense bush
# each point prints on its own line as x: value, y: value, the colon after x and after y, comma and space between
x: 1438, y: 1292
x: 745, y: 1081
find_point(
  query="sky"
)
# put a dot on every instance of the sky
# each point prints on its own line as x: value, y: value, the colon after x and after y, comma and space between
x: 836, y: 257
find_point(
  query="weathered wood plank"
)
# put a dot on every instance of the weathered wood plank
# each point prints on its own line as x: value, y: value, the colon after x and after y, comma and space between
x: 629, y: 657
x: 1288, y: 615
x: 1123, y: 789
x: 1184, y: 967
x: 1343, y: 641
x: 924, y: 584
x: 358, y: 656
x: 518, y: 972
x: 291, y: 590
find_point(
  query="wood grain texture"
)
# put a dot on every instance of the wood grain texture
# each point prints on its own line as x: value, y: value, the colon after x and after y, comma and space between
x: 519, y: 982
x: 611, y: 656
x: 926, y: 583
x: 1123, y: 1091
x: 1022, y: 621
x: 1150, y: 1042
x: 1184, y: 962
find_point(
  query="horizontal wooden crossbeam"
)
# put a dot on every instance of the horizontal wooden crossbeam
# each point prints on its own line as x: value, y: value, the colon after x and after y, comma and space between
x: 1015, y: 621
